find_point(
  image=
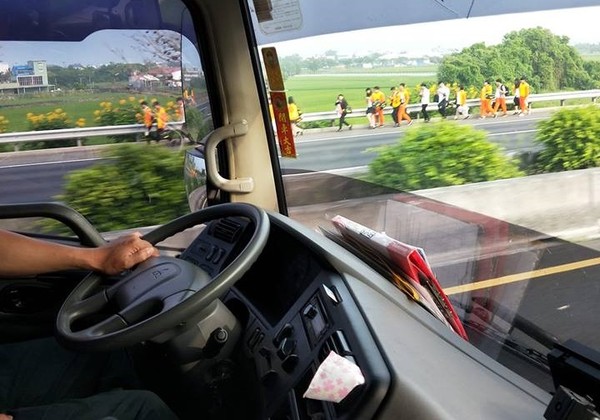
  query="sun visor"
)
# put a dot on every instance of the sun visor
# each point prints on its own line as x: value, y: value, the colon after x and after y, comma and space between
x: 283, y: 20
x: 74, y: 20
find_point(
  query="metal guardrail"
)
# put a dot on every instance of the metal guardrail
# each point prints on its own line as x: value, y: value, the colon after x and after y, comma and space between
x: 77, y: 133
x: 115, y: 130
x: 593, y: 94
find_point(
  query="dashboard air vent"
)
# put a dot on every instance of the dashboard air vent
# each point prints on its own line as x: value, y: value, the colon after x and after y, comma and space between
x: 227, y: 230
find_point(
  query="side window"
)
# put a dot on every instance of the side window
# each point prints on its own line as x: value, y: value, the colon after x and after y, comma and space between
x: 79, y: 105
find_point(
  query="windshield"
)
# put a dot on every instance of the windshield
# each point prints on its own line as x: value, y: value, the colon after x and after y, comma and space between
x: 473, y: 139
x: 468, y: 131
x: 97, y: 75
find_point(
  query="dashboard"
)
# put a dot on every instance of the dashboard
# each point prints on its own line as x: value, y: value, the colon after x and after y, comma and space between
x: 295, y: 309
x: 306, y: 296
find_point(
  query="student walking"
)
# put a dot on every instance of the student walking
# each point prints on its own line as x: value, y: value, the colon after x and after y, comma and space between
x: 378, y: 98
x: 523, y: 95
x: 485, y: 98
x: 443, y: 93
x: 461, y: 103
x: 500, y: 98
x: 148, y: 119
x: 404, y: 98
x: 370, y: 108
x: 294, y: 113
x: 424, y: 95
x: 517, y: 98
x: 342, y: 108
x: 395, y: 103
x: 161, y: 117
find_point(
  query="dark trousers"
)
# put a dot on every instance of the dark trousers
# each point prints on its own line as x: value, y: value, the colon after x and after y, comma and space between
x: 442, y: 107
x: 395, y: 114
x: 40, y: 379
x: 343, y: 120
x: 424, y: 112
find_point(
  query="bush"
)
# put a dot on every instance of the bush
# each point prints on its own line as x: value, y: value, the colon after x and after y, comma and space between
x: 439, y: 155
x: 127, y: 111
x: 53, y: 120
x: 3, y: 124
x: 139, y: 185
x: 570, y: 140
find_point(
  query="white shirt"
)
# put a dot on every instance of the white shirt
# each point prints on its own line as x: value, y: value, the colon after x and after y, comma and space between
x: 443, y: 92
x: 424, y: 95
x: 499, y: 92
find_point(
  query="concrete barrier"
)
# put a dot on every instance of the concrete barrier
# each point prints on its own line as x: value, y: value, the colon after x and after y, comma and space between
x: 564, y: 204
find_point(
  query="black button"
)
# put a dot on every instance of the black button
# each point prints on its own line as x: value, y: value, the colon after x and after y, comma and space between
x: 286, y: 331
x: 290, y: 362
x: 310, y: 312
x: 341, y: 343
x: 287, y: 347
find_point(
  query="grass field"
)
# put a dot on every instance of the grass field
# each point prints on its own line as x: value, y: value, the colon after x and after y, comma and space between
x: 591, y: 57
x: 317, y: 93
x: 77, y: 104
x: 313, y: 93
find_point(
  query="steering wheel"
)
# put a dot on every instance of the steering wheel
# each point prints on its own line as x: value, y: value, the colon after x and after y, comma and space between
x: 160, y: 294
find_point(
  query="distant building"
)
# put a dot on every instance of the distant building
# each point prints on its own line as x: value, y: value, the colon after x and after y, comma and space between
x: 30, y: 77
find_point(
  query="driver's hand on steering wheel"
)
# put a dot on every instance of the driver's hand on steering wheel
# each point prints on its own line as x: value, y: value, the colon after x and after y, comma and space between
x: 122, y: 254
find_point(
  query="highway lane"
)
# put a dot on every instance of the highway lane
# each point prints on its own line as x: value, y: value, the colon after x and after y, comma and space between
x: 35, y: 182
x: 318, y: 151
x: 331, y: 150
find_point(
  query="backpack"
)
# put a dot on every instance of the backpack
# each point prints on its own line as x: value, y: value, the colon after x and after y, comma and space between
x: 505, y: 89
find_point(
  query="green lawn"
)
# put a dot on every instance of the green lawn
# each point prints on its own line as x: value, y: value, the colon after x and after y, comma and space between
x: 317, y: 93
x: 591, y: 57
x: 77, y: 105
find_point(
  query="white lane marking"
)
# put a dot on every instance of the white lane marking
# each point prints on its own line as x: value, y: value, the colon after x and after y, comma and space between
x: 58, y: 162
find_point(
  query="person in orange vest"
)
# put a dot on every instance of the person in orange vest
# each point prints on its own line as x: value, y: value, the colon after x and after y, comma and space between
x: 148, y: 119
x: 295, y: 116
x: 485, y: 97
x: 180, y: 109
x: 378, y: 98
x: 395, y: 104
x: 370, y: 108
x: 404, y: 98
x: 523, y: 94
x: 161, y: 117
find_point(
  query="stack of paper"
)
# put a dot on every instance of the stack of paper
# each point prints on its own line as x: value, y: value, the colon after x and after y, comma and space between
x: 405, y: 265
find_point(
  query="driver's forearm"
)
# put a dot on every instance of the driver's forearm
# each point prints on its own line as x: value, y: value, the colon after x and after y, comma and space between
x: 21, y: 255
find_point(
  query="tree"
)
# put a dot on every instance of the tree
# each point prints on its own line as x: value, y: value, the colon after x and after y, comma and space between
x: 593, y: 69
x: 570, y: 140
x: 139, y: 185
x: 291, y: 65
x: 160, y: 45
x: 546, y: 60
x: 440, y: 155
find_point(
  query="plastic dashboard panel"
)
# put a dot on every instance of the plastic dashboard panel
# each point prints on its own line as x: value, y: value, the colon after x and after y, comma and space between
x: 306, y: 295
x: 435, y: 374
x: 294, y: 310
x: 324, y: 318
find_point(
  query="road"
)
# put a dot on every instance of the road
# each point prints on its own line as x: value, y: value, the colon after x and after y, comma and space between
x: 318, y: 151
x: 331, y: 150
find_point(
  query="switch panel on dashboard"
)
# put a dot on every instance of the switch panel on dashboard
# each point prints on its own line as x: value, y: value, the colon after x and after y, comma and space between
x: 288, y: 350
x: 215, y: 245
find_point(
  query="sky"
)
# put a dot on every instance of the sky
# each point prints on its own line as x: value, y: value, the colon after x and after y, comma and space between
x: 100, y: 48
x: 579, y: 24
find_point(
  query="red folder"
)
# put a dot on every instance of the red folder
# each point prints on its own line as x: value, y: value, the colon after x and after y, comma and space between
x: 409, y: 262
